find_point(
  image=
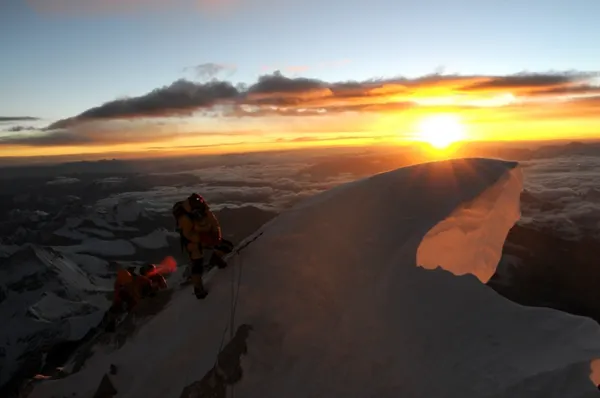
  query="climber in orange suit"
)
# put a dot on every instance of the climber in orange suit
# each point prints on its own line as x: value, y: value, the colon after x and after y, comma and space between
x: 129, y: 289
x: 199, y: 228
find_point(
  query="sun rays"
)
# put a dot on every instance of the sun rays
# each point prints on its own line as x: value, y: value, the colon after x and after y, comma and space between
x: 441, y: 130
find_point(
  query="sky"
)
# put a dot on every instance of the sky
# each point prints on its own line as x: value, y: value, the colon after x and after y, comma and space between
x: 219, y: 75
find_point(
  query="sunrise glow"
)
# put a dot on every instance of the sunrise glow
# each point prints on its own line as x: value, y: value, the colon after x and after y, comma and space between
x: 285, y: 112
x: 441, y: 130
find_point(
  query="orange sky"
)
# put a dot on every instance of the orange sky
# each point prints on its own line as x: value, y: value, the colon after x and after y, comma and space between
x: 280, y: 112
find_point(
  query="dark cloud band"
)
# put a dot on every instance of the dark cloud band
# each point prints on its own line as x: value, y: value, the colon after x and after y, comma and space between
x: 274, y: 91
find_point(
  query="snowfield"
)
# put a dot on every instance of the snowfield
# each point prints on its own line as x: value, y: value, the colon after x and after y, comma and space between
x: 119, y: 247
x: 155, y: 240
x: 371, y: 289
x: 46, y: 299
x: 56, y: 293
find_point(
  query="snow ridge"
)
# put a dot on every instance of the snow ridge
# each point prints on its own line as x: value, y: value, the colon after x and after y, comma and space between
x: 332, y: 303
x: 487, y: 220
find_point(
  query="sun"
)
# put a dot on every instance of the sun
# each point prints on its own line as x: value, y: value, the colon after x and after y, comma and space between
x: 440, y: 131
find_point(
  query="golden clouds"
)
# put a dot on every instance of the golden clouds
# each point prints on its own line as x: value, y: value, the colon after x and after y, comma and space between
x: 279, y: 109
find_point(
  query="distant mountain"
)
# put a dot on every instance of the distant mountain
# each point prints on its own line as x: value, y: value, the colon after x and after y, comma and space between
x: 46, y: 299
x: 56, y: 278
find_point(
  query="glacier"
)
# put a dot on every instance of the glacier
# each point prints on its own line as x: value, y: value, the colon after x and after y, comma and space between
x: 372, y: 288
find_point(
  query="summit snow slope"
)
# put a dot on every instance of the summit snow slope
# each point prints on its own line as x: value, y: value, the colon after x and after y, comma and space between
x: 340, y: 308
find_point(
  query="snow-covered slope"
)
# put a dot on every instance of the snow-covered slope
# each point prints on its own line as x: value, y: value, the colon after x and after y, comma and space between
x: 45, y: 299
x: 332, y: 303
x: 55, y: 277
x: 114, y: 227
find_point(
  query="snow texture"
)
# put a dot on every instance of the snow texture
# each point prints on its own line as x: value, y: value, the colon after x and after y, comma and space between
x: 7, y: 250
x: 27, y: 215
x: 340, y: 308
x: 46, y: 299
x: 49, y: 295
x: 104, y: 222
x: 448, y: 243
x: 127, y: 211
x: 111, y: 180
x: 90, y: 264
x: 54, y: 308
x: 73, y: 222
x: 106, y: 248
x: 98, y: 232
x: 121, y: 210
x: 63, y: 181
x: 155, y: 240
x: 69, y: 233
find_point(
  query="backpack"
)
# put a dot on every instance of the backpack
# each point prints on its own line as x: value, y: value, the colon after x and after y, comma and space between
x: 178, y: 210
x: 224, y: 246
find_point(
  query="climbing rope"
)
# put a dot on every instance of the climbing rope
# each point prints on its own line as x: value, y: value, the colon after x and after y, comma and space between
x: 235, y: 293
x: 234, y: 300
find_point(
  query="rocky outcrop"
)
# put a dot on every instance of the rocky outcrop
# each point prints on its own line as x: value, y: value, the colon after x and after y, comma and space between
x: 227, y: 370
x: 106, y: 389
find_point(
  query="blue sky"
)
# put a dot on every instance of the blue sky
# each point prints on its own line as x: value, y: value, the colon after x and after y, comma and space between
x: 58, y: 64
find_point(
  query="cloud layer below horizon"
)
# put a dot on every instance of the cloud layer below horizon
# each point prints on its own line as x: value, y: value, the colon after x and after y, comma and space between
x: 560, y: 192
x: 278, y: 109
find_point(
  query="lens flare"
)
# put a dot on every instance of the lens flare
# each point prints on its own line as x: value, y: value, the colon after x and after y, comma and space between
x: 167, y: 265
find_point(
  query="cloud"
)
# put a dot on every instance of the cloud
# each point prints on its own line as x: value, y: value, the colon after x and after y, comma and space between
x: 589, y: 100
x: 379, y: 95
x: 276, y: 84
x: 211, y: 70
x: 537, y: 96
x: 180, y: 98
x: 533, y: 81
x: 198, y: 146
x: 564, y: 103
x: 580, y: 89
x: 11, y: 119
x: 273, y: 183
x: 336, y: 138
x: 278, y: 94
x: 561, y: 193
x: 15, y: 129
x: 56, y: 138
x: 561, y: 187
x: 94, y: 134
